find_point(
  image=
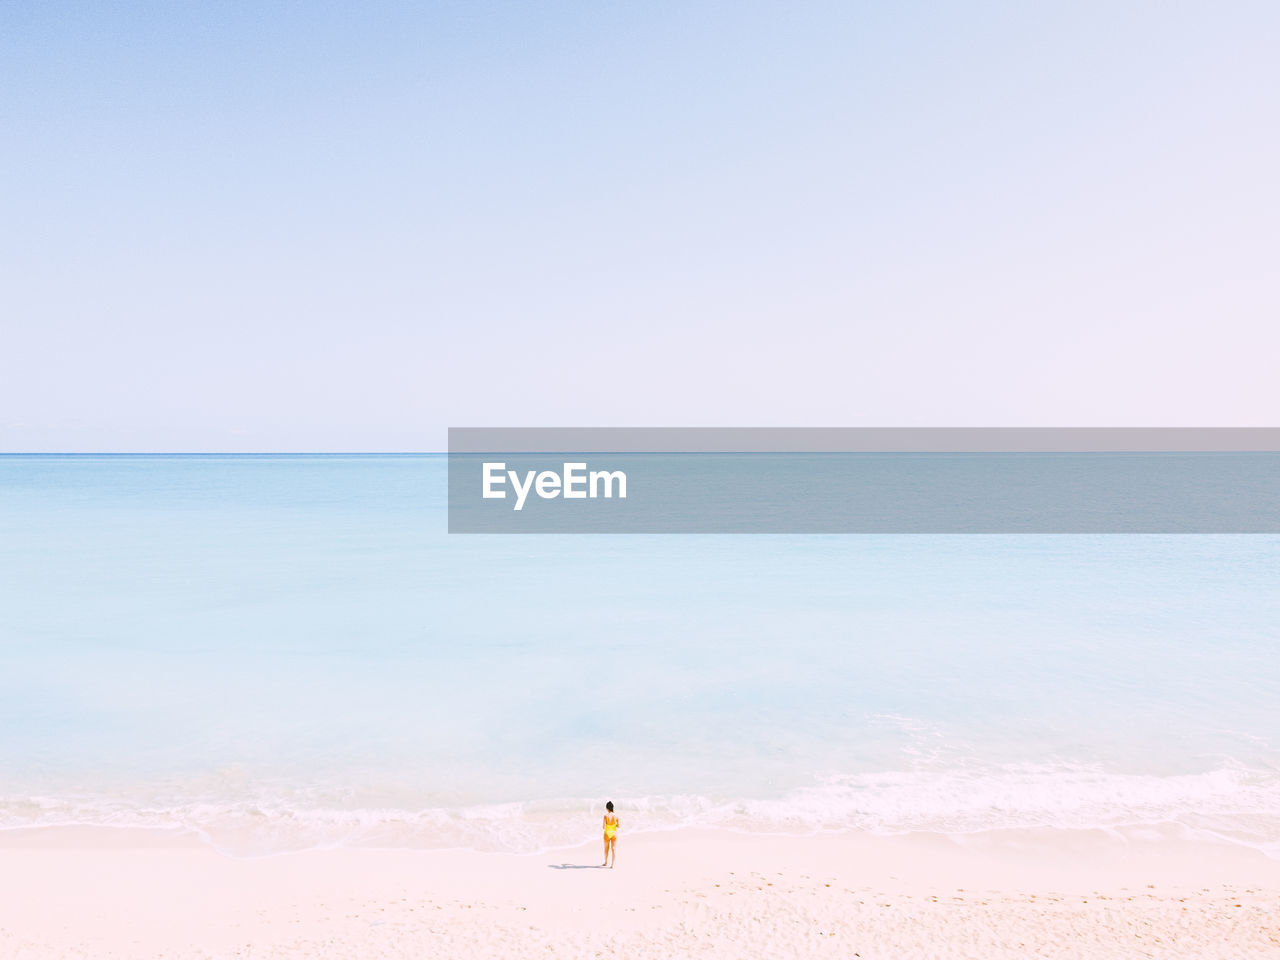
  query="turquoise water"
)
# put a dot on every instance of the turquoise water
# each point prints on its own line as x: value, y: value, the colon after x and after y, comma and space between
x: 280, y: 652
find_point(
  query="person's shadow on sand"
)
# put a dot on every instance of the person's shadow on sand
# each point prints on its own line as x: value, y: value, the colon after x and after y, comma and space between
x: 575, y: 866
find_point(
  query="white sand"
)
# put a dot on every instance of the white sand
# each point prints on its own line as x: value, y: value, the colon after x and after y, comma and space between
x: 678, y: 894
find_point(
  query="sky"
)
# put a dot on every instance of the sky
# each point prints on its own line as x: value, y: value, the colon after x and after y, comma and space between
x: 310, y: 226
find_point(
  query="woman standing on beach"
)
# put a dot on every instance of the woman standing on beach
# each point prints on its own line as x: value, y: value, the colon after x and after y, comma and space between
x: 610, y: 835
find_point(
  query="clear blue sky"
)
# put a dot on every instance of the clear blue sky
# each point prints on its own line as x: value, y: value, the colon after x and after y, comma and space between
x: 305, y: 226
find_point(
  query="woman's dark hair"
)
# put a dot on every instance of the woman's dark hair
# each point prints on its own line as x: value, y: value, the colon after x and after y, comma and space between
x: 609, y: 806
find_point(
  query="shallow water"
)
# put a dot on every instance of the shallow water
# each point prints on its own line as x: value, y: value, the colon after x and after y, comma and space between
x: 284, y: 651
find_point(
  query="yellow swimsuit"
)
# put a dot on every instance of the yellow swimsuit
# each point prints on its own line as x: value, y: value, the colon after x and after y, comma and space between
x: 610, y: 830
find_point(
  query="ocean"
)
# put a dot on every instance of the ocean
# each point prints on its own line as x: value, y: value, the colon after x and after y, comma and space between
x: 273, y: 653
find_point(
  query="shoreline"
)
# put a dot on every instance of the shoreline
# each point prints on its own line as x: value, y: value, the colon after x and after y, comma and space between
x: 672, y: 894
x: 998, y: 842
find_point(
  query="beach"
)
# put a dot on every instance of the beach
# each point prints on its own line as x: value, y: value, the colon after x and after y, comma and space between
x: 66, y: 893
x: 838, y: 439
x: 265, y: 706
